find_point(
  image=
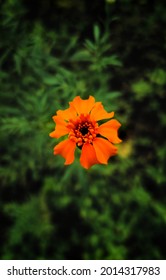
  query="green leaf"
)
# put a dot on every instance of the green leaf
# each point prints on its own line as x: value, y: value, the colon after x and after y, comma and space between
x: 50, y: 80
x: 142, y: 89
x: 90, y: 45
x: 96, y: 33
x: 82, y: 55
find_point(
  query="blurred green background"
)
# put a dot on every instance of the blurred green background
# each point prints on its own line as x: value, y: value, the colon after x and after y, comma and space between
x: 51, y: 51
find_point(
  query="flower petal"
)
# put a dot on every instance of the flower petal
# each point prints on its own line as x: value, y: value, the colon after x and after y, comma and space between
x: 88, y: 156
x: 99, y: 113
x: 103, y: 149
x: 60, y: 129
x: 83, y: 106
x: 110, y: 131
x: 66, y: 149
x: 67, y: 114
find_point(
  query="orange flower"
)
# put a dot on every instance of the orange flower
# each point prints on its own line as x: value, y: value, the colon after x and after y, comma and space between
x: 80, y: 123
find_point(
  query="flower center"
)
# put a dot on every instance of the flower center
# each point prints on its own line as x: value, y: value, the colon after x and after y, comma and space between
x: 82, y: 130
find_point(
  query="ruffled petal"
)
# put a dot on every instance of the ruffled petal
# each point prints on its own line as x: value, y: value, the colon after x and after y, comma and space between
x: 88, y: 156
x: 66, y: 149
x: 82, y: 106
x: 67, y: 114
x: 103, y: 149
x: 60, y: 129
x: 99, y: 113
x: 110, y: 131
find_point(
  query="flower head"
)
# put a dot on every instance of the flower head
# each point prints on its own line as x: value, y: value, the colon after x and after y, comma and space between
x: 80, y: 123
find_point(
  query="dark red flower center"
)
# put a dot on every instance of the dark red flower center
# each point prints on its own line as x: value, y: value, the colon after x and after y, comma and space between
x: 82, y: 130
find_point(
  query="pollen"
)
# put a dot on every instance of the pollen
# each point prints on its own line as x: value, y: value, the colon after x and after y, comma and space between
x: 82, y: 130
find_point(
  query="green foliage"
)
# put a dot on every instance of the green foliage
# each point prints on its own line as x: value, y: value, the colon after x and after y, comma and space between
x: 49, y: 55
x: 95, y: 52
x: 31, y: 222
